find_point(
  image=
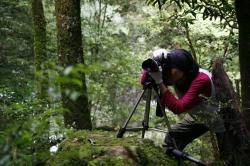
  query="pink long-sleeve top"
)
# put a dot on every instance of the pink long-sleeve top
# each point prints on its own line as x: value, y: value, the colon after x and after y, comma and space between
x: 201, y: 86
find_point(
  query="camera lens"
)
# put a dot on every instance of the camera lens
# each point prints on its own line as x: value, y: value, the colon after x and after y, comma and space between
x: 150, y: 65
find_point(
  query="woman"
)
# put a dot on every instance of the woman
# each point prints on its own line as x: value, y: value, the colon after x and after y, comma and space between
x: 195, y: 96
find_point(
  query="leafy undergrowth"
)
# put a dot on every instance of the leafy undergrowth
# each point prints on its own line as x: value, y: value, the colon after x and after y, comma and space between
x: 95, y: 148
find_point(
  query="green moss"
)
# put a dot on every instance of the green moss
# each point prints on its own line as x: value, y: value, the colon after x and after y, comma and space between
x: 106, y: 150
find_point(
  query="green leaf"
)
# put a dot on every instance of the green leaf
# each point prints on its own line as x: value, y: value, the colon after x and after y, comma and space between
x: 188, y: 2
x: 68, y: 70
x: 155, y: 3
x: 179, y: 5
x: 149, y: 1
x: 194, y: 2
x: 193, y: 13
x: 205, y: 14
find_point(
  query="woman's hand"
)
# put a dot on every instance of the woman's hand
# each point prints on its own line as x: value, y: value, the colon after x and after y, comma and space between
x: 157, y: 76
x: 160, y: 54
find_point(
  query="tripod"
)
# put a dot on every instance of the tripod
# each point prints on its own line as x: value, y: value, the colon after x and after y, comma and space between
x: 148, y: 86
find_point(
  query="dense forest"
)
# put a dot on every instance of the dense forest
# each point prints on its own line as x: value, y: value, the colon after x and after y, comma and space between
x: 70, y: 66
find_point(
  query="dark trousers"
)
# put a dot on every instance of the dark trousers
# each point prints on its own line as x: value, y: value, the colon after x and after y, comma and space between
x: 187, y: 130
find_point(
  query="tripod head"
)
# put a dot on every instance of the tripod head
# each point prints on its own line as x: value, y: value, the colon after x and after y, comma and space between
x: 149, y: 83
x: 182, y: 155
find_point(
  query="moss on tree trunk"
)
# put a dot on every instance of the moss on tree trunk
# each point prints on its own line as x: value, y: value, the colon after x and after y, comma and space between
x: 40, y: 48
x: 42, y: 140
x: 70, y: 53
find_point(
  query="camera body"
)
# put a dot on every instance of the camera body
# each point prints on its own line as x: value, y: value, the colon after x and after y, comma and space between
x: 160, y: 58
x: 151, y: 65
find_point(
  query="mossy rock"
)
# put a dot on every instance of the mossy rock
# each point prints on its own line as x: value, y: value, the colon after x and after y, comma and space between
x: 78, y: 150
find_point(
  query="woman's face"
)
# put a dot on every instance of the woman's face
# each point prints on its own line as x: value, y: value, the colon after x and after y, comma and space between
x: 175, y: 76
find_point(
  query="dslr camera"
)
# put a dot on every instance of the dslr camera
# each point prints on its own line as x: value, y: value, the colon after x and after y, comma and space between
x: 160, y: 58
x: 151, y: 65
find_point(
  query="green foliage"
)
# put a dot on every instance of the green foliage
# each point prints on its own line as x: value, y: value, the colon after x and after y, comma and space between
x: 16, y: 48
x: 205, y: 42
x: 28, y: 132
x: 13, y: 149
x: 110, y: 57
x: 23, y: 121
x: 224, y: 10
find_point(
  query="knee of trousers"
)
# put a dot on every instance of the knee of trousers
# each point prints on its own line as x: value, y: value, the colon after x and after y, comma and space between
x: 168, y: 140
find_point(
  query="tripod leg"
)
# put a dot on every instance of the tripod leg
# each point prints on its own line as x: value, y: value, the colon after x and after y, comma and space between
x: 146, y: 115
x: 166, y: 119
x: 123, y: 129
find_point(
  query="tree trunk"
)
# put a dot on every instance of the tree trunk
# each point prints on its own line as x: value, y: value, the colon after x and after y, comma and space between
x: 70, y: 53
x: 232, y: 116
x: 41, y: 146
x: 243, y: 16
x: 40, y: 48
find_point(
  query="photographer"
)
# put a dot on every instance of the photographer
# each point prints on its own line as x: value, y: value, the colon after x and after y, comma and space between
x: 195, y: 96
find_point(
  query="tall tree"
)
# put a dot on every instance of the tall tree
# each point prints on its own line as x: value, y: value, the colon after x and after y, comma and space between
x: 70, y: 53
x: 243, y: 16
x: 40, y: 48
x: 42, y: 146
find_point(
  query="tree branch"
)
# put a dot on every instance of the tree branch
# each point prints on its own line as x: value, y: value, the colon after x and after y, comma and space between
x: 190, y: 41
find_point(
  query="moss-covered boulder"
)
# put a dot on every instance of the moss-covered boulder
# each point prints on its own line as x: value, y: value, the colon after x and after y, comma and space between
x: 97, y: 148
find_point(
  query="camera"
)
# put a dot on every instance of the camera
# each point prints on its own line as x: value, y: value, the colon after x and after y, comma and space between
x: 151, y: 65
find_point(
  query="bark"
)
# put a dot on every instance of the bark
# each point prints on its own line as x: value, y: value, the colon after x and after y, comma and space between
x: 243, y: 16
x: 41, y: 146
x: 70, y: 53
x: 232, y: 116
x: 40, y: 48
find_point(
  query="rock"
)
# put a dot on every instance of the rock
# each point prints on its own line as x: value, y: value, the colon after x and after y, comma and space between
x: 95, y: 148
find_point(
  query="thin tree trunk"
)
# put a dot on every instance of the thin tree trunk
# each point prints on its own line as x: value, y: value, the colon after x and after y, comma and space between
x: 41, y: 147
x: 40, y: 48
